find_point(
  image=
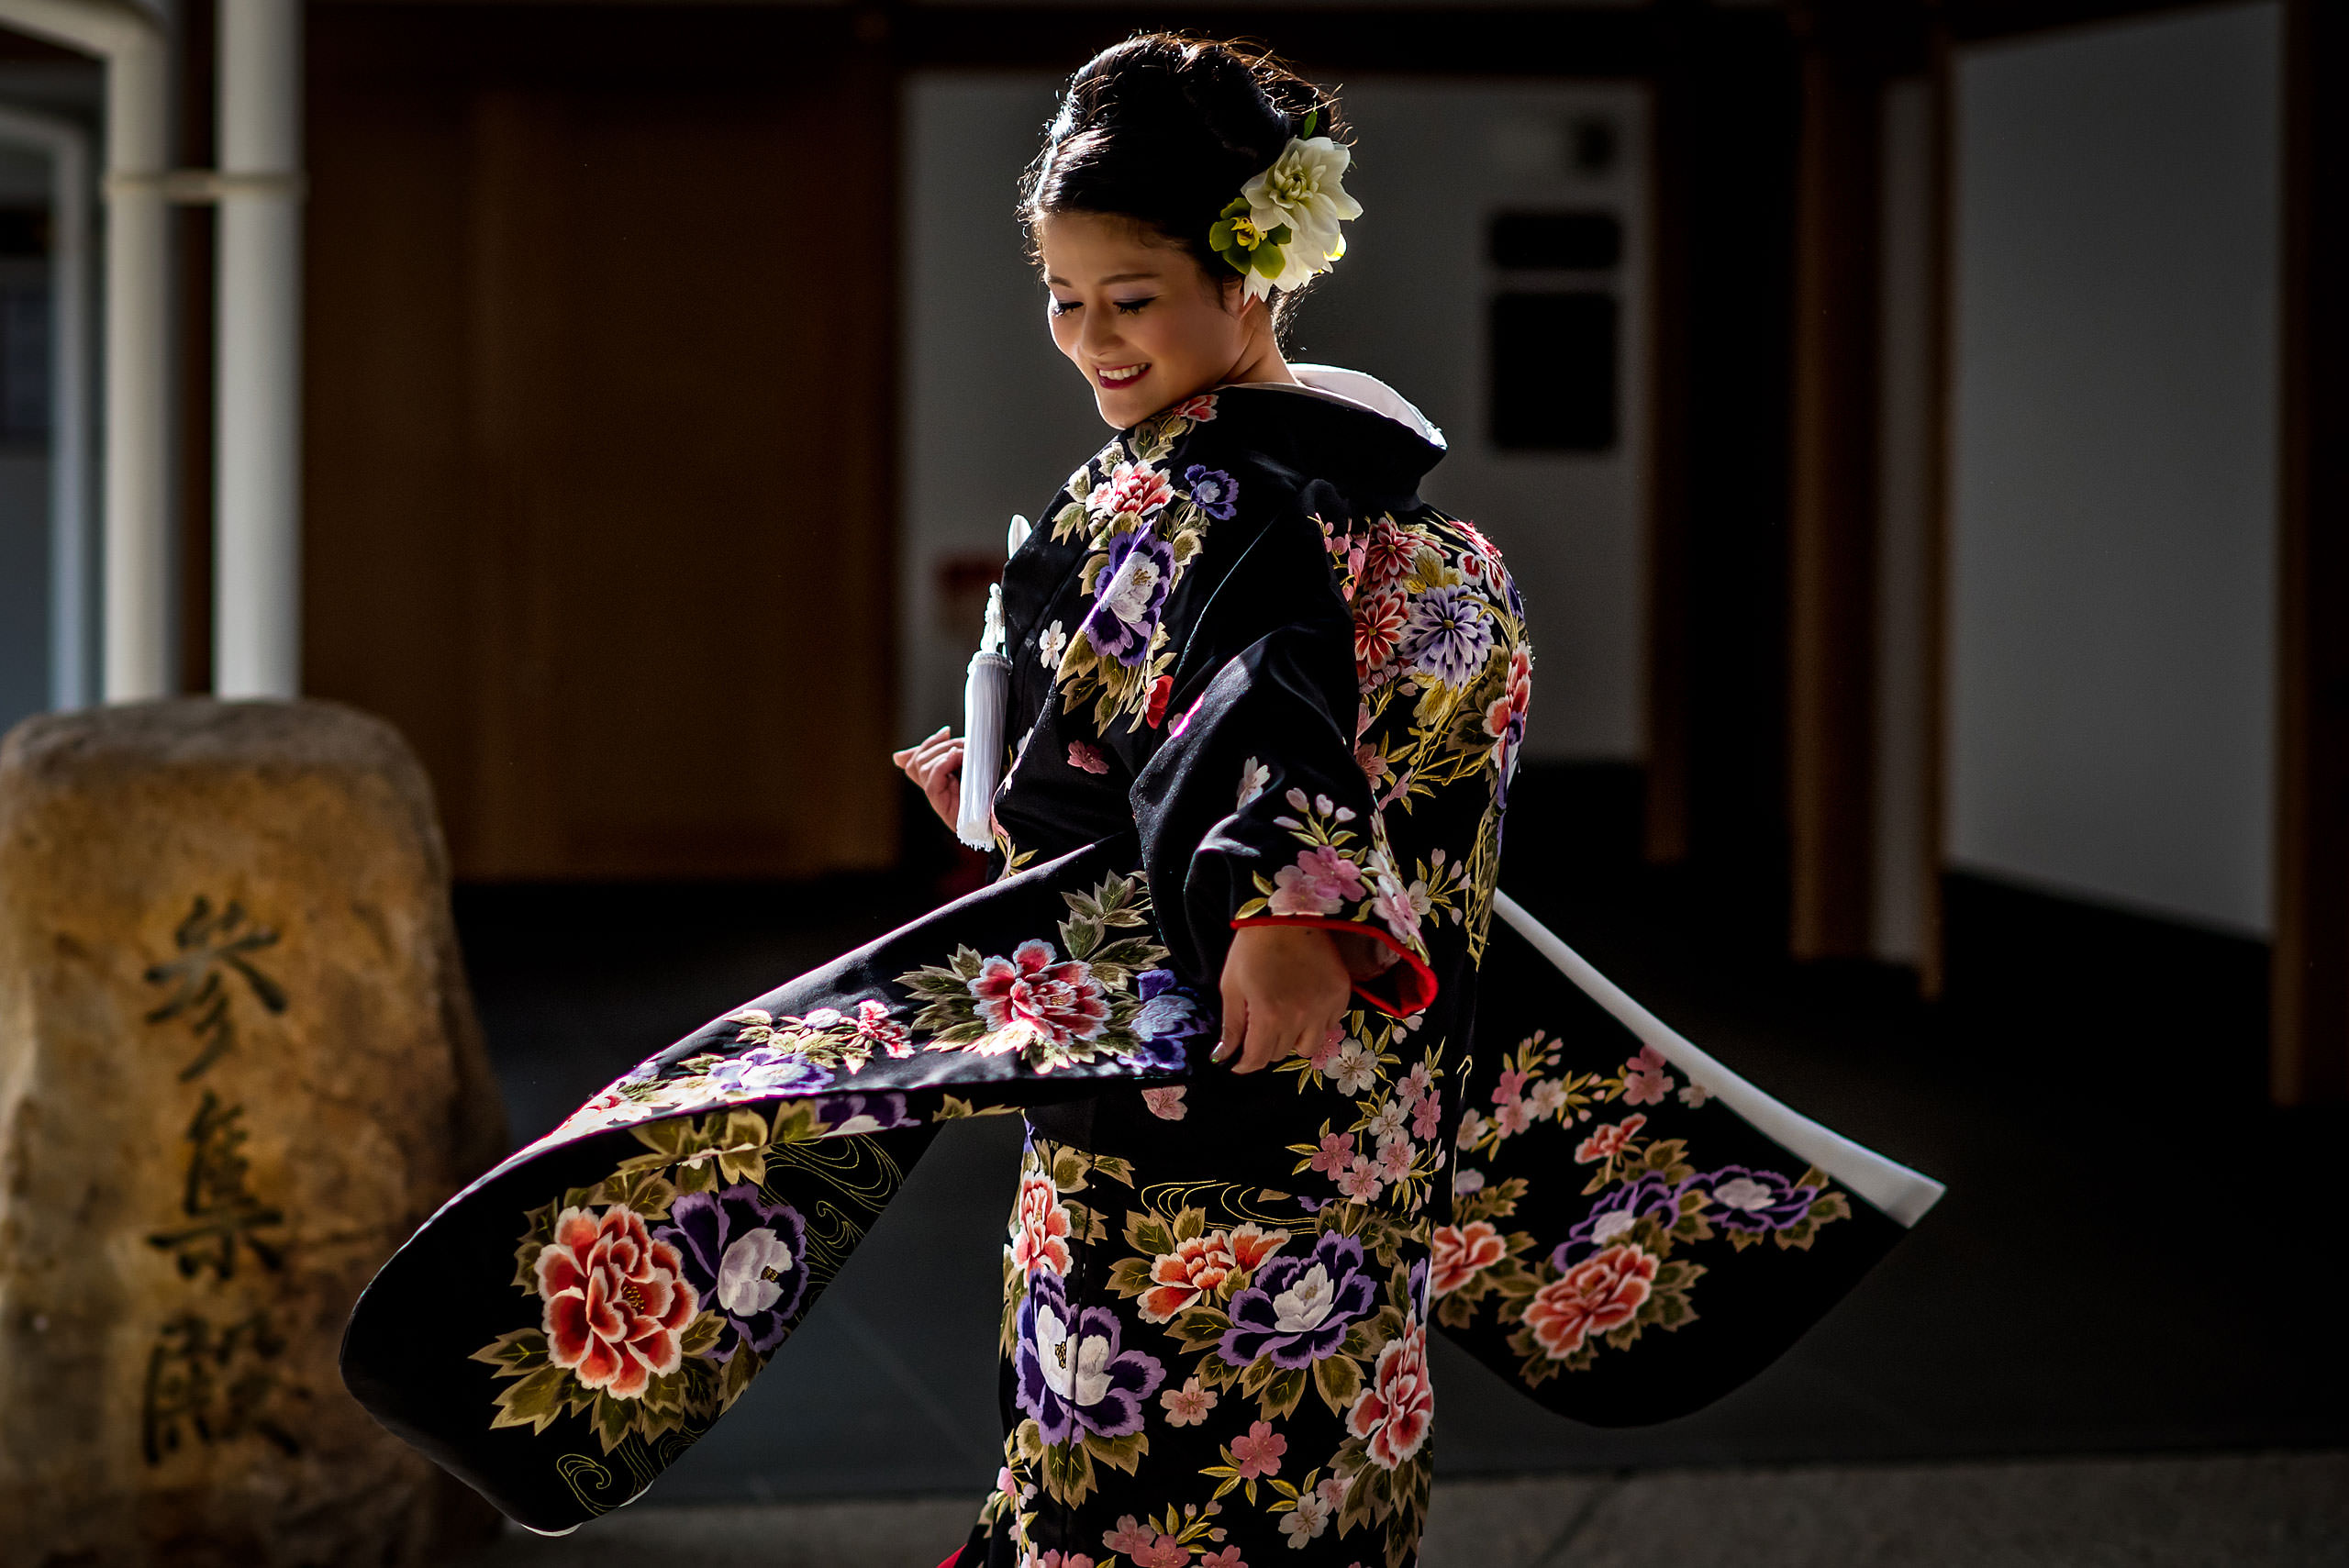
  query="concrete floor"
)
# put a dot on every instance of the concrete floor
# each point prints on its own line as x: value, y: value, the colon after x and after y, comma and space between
x: 2244, y: 1511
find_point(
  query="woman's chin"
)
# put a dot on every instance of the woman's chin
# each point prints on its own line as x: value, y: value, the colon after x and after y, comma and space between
x: 1124, y: 406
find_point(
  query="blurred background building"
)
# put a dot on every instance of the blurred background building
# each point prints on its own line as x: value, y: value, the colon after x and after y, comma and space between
x: 1882, y: 403
x: 1920, y: 429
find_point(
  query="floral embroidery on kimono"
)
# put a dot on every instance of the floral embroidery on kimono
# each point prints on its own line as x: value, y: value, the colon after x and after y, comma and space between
x: 1253, y: 679
x: 1251, y: 1388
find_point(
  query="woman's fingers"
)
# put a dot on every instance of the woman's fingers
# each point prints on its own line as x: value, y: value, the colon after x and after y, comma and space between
x: 940, y: 777
x: 909, y: 757
x: 1283, y: 987
x: 935, y: 765
x: 1272, y: 1037
x: 927, y: 754
x: 932, y: 758
x: 1235, y: 1020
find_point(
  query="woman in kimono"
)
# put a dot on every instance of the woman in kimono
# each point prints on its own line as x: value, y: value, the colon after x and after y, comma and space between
x: 1239, y: 628
x: 1265, y: 705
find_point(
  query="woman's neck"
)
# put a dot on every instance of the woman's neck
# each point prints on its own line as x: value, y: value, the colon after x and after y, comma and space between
x: 1260, y: 362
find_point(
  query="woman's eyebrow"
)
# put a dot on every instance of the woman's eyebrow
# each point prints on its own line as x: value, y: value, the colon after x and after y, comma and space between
x: 1112, y: 278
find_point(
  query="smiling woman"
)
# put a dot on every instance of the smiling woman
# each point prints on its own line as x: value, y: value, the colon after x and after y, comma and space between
x: 1137, y: 317
x: 1181, y: 202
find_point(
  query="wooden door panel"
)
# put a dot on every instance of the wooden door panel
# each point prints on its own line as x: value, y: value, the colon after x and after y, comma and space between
x: 672, y: 589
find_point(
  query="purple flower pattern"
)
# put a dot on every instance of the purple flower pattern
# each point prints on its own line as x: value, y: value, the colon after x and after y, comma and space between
x: 1213, y: 491
x: 1448, y: 636
x: 863, y: 1113
x: 1129, y: 591
x: 748, y: 1258
x: 1298, y: 1308
x: 1073, y: 1374
x: 1614, y: 1213
x: 1756, y: 1201
x: 1170, y: 1017
x: 768, y: 1069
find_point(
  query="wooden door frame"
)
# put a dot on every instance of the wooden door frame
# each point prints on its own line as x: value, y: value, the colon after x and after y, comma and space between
x: 2308, y: 1060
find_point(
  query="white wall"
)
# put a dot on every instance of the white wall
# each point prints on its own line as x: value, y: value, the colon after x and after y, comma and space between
x: 2112, y: 550
x: 994, y: 420
x: 1434, y: 161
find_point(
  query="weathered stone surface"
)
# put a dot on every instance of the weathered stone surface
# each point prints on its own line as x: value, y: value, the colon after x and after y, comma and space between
x: 238, y: 1065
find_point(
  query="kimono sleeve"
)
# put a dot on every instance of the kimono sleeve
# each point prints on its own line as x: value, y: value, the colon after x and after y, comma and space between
x: 1254, y: 810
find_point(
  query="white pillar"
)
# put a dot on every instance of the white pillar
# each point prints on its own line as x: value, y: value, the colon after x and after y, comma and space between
x: 139, y: 618
x: 256, y: 563
x: 71, y: 682
x: 128, y: 35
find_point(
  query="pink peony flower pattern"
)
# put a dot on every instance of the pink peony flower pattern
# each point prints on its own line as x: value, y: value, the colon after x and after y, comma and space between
x: 1135, y: 488
x: 1036, y: 996
x: 1591, y: 1298
x: 1393, y: 1414
x: 1040, y: 1228
x: 1461, y: 1252
x: 617, y: 1301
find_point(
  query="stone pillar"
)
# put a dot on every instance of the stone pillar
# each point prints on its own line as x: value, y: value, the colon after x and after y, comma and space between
x: 238, y: 1065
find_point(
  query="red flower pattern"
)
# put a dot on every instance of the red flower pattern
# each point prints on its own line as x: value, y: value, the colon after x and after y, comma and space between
x: 1397, y: 1408
x: 1259, y: 1452
x: 615, y: 1300
x: 1606, y: 1143
x: 1592, y: 1298
x: 1509, y: 707
x: 1378, y: 629
x: 1036, y: 993
x: 1040, y: 1228
x: 1195, y: 1268
x: 1461, y: 1252
x: 1389, y: 554
x: 875, y: 1026
x: 1135, y: 487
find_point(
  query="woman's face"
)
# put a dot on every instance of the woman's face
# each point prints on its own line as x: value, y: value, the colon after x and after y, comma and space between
x: 1138, y: 317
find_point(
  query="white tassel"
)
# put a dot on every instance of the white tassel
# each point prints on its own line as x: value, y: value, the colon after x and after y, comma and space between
x: 986, y: 690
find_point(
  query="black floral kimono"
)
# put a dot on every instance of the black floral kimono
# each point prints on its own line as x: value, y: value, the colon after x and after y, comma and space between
x: 1259, y: 681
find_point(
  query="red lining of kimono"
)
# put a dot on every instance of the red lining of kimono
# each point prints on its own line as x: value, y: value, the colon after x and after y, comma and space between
x: 1415, y: 983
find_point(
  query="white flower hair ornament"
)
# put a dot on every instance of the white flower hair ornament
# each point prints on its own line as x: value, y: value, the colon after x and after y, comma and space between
x: 1282, y: 227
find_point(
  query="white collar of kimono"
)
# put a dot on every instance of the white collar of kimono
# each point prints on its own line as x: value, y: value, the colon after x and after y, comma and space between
x: 1357, y: 390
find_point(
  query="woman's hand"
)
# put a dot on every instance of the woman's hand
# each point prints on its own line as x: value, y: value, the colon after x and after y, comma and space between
x: 1284, y: 989
x: 936, y: 765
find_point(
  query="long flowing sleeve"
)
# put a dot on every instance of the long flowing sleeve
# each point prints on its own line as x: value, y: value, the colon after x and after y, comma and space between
x: 1203, y: 673
x: 1255, y: 808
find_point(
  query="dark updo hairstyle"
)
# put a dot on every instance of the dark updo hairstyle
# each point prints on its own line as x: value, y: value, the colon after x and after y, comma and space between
x: 1164, y: 128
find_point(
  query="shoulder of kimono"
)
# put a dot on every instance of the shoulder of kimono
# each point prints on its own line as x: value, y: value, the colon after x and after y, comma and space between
x: 1218, y: 446
x: 1463, y: 537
